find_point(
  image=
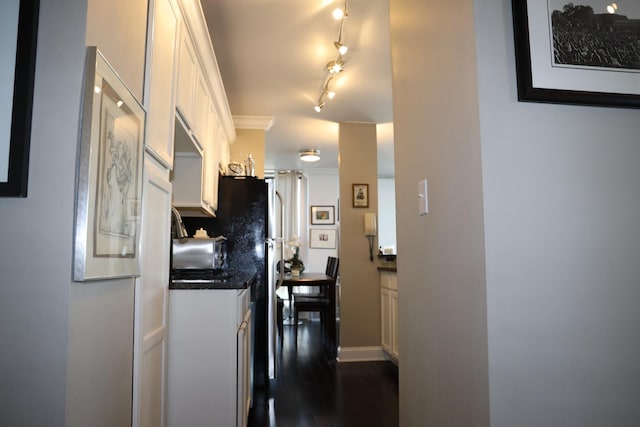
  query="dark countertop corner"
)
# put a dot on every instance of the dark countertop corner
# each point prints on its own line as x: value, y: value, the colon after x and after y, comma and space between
x: 242, y: 279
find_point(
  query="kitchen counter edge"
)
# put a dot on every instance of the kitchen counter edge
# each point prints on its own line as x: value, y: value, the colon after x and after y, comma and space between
x: 241, y: 280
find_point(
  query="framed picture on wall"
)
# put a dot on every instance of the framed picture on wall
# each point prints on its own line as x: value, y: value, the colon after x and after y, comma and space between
x: 580, y: 52
x: 322, y: 238
x: 360, y: 195
x: 323, y: 215
x: 19, y: 21
x: 109, y: 176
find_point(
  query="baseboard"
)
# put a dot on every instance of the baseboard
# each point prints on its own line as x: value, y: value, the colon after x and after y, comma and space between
x: 361, y: 354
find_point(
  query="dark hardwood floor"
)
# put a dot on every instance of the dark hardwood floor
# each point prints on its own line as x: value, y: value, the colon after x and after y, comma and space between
x: 312, y: 391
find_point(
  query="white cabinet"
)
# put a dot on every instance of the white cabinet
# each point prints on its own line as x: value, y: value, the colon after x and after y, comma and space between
x: 204, y: 123
x: 151, y: 299
x: 189, y: 174
x: 389, y: 313
x: 162, y: 72
x: 187, y: 77
x: 243, y: 385
x: 209, y: 358
x: 201, y: 109
x: 211, y: 160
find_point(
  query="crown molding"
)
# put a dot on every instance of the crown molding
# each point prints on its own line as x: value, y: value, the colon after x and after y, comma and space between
x: 253, y: 122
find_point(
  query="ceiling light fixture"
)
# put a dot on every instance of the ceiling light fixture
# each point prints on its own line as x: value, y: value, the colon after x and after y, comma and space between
x: 342, y: 48
x: 310, y: 155
x: 336, y: 66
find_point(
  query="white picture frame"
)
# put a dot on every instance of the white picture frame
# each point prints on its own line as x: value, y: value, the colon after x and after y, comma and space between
x: 109, y: 176
x: 322, y: 238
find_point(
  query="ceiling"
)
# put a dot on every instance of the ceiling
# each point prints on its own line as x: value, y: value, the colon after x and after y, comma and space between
x: 272, y: 56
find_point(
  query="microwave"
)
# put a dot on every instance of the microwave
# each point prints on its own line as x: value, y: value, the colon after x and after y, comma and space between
x: 199, y: 253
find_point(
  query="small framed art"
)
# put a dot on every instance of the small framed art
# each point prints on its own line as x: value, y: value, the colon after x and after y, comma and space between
x: 360, y: 195
x: 323, y: 215
x: 322, y: 238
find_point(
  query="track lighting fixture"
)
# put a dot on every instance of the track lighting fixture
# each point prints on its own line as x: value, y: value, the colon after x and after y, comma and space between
x: 339, y: 14
x: 336, y: 66
x: 342, y: 48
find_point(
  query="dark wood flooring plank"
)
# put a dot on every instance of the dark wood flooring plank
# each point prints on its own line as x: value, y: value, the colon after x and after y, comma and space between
x: 314, y: 391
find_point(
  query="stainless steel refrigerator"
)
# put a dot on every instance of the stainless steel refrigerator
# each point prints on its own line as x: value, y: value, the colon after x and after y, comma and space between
x: 244, y: 217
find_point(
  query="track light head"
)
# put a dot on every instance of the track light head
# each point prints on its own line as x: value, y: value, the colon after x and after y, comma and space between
x: 336, y: 66
x: 342, y: 49
x: 318, y: 107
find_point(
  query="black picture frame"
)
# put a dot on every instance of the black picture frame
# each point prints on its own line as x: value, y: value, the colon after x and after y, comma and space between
x: 323, y: 215
x: 360, y: 195
x: 22, y: 105
x: 544, y: 81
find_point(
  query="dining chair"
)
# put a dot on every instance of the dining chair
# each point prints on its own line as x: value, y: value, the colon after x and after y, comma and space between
x: 319, y: 302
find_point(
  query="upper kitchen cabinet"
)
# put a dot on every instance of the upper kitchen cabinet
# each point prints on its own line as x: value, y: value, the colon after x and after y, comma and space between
x: 162, y: 73
x: 204, y: 125
x: 187, y: 78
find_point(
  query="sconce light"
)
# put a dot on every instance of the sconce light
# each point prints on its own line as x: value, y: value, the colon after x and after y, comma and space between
x: 370, y: 231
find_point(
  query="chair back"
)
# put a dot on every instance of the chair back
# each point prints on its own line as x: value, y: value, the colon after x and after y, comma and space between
x: 333, y: 264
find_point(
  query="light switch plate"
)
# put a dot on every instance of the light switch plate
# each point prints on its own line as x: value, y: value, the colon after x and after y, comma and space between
x: 423, y: 198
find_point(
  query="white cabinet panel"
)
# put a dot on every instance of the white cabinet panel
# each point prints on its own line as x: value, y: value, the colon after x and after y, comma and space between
x: 389, y: 313
x: 209, y: 358
x: 187, y: 75
x: 162, y: 72
x: 386, y: 319
x: 151, y: 299
x: 395, y: 351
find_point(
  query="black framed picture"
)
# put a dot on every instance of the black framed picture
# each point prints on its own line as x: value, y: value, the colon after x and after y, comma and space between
x: 323, y: 215
x: 360, y: 195
x: 17, y: 74
x: 582, y: 52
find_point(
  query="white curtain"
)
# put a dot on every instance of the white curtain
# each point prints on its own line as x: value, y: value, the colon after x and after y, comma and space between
x: 292, y: 187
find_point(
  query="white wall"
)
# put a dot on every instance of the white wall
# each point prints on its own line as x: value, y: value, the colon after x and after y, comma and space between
x: 100, y: 379
x: 442, y: 302
x: 559, y: 228
x: 563, y: 238
x: 323, y: 190
x: 66, y: 348
x: 37, y: 232
x: 387, y: 212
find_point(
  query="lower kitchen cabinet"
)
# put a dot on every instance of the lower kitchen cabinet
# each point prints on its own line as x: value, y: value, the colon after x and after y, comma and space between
x: 389, y: 313
x: 209, y: 358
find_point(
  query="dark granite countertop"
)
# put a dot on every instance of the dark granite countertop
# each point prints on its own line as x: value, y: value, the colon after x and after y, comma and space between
x: 387, y: 266
x: 242, y: 279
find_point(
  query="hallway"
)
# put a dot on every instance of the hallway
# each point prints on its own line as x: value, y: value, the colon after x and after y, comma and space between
x: 312, y: 391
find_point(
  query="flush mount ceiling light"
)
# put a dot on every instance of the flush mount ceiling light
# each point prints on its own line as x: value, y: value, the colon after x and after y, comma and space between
x: 310, y: 155
x: 337, y: 66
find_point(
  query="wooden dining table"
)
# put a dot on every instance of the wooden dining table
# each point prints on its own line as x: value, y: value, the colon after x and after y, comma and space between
x: 318, y: 279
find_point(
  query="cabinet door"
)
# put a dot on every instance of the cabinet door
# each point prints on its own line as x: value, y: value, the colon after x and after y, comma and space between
x: 386, y: 319
x: 151, y: 300
x: 162, y: 70
x: 395, y: 351
x: 201, y: 109
x: 187, y: 74
x: 244, y: 371
x: 211, y: 161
